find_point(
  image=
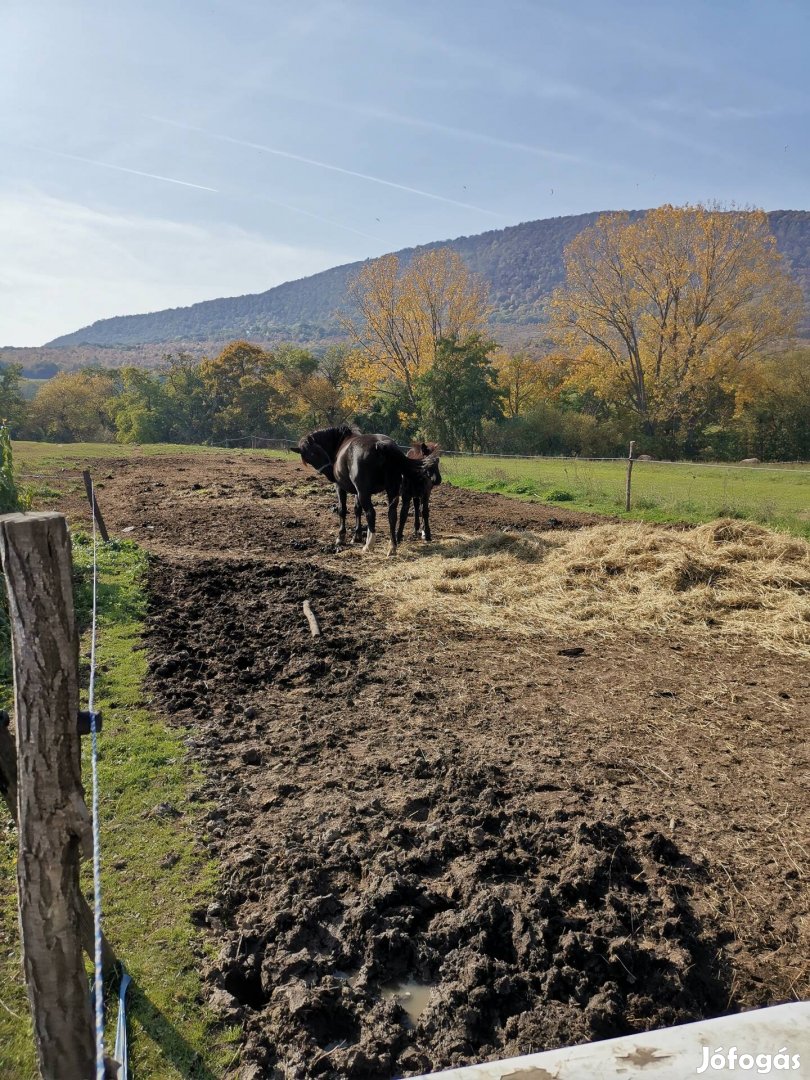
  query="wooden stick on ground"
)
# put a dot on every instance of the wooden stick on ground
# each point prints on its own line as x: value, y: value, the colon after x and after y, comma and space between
x: 313, y: 622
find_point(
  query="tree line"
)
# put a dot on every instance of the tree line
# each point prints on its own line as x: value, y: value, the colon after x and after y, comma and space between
x: 673, y: 329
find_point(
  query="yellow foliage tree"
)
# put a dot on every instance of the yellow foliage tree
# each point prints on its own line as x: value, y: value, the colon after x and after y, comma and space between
x: 527, y: 380
x: 311, y: 390
x: 75, y: 405
x: 662, y: 311
x: 402, y: 312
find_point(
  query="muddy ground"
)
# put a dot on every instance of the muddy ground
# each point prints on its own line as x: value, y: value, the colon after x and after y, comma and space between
x: 560, y: 848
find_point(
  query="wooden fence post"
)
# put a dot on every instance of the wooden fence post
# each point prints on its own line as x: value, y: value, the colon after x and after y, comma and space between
x: 629, y: 475
x: 8, y: 791
x: 91, y: 498
x: 53, y: 825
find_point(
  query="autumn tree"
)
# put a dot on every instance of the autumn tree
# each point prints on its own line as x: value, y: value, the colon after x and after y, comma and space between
x: 77, y: 405
x: 662, y: 312
x: 238, y: 383
x: 527, y: 380
x: 773, y: 407
x: 312, y: 390
x: 402, y: 312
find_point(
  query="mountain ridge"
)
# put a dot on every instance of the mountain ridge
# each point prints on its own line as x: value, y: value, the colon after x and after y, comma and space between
x: 521, y: 263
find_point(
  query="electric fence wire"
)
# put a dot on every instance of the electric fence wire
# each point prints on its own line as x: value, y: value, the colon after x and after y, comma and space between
x: 98, y: 984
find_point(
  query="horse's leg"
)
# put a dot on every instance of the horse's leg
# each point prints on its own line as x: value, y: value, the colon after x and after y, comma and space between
x: 417, y: 507
x: 341, y: 536
x: 426, y: 517
x: 393, y: 498
x: 358, y: 521
x: 403, y: 513
x: 371, y: 515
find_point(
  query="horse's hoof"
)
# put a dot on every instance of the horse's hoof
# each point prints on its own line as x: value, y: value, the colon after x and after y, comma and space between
x: 369, y: 542
x: 391, y: 553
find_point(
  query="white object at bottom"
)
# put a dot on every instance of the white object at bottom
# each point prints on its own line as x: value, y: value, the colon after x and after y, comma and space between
x: 763, y: 1042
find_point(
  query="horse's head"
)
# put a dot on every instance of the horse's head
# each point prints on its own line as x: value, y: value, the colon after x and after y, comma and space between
x: 319, y: 448
x: 429, y: 454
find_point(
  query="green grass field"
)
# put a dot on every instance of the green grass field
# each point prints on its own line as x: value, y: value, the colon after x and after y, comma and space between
x: 153, y: 870
x: 775, y: 496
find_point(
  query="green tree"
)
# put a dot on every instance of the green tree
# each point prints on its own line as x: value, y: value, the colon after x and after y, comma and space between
x: 191, y: 403
x: 459, y: 393
x: 13, y: 406
x: 143, y: 408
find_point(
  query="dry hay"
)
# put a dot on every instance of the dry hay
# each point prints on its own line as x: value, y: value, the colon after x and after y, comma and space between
x: 728, y: 579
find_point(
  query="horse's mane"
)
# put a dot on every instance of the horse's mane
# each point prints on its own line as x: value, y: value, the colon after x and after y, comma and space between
x: 328, y: 439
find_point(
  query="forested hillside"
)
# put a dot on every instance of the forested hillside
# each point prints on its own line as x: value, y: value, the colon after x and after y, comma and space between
x: 521, y: 264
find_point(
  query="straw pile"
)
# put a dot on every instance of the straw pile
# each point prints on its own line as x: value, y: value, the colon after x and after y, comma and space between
x: 729, y: 580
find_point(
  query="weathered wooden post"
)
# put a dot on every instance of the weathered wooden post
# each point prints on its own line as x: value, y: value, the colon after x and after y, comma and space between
x: 91, y: 498
x: 53, y: 822
x: 629, y: 475
x: 8, y: 792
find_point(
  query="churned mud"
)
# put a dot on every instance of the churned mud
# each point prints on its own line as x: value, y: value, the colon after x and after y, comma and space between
x: 442, y: 847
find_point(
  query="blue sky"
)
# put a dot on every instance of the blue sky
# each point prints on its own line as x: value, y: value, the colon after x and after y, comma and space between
x: 160, y: 152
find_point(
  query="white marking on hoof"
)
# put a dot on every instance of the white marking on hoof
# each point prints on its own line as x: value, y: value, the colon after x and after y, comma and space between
x: 391, y: 552
x: 369, y: 541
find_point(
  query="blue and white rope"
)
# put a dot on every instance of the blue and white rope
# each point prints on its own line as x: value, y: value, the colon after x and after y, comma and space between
x: 98, y: 985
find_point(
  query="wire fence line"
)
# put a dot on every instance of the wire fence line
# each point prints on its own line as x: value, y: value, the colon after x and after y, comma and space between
x: 260, y: 442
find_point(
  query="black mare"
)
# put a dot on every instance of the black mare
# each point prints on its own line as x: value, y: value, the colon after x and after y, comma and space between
x: 364, y: 465
x: 421, y: 499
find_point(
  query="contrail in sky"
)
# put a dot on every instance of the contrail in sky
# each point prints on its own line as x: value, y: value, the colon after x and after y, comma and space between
x: 325, y: 165
x: 317, y: 217
x: 122, y: 168
x: 201, y: 187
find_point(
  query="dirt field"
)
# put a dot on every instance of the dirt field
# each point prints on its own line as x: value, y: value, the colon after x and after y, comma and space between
x: 559, y: 847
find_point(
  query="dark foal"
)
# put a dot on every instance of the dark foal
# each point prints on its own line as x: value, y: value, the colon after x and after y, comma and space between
x: 363, y: 465
x: 419, y: 492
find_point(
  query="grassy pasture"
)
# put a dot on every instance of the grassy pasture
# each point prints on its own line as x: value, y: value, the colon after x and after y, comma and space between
x: 777, y: 496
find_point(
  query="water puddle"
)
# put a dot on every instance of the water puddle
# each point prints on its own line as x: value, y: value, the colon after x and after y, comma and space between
x: 413, y: 997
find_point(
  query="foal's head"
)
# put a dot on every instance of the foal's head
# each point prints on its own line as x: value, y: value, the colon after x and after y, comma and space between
x: 429, y: 454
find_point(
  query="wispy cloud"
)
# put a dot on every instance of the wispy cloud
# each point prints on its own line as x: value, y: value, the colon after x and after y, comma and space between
x: 317, y: 217
x: 467, y: 134
x: 121, y: 168
x: 324, y: 165
x: 66, y: 264
x: 703, y: 110
x: 202, y: 187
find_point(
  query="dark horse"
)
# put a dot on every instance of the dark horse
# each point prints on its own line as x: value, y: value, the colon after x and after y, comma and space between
x: 364, y: 465
x: 421, y: 500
